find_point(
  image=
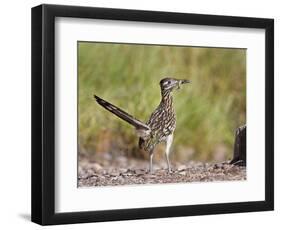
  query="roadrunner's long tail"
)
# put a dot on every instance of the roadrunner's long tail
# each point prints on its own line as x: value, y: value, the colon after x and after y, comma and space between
x: 122, y: 114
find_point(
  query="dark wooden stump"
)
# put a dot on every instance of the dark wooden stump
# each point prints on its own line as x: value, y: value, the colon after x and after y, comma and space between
x: 239, y: 154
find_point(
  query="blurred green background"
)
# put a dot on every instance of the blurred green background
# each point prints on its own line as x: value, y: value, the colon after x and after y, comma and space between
x: 208, y: 110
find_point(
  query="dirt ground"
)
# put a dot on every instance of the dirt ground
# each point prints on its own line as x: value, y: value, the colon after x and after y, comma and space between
x: 123, y: 171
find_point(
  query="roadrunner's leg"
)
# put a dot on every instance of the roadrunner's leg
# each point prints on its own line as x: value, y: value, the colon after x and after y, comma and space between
x: 150, y: 163
x: 169, y: 142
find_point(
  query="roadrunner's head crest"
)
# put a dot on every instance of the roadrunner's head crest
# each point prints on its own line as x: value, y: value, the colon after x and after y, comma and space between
x: 168, y: 83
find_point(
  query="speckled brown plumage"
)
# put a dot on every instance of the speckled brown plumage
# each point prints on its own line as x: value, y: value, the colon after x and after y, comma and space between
x: 161, y: 124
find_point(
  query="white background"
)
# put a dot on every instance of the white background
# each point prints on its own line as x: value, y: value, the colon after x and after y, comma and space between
x: 15, y: 114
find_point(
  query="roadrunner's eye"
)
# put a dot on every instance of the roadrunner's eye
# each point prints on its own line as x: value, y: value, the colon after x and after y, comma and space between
x: 169, y: 82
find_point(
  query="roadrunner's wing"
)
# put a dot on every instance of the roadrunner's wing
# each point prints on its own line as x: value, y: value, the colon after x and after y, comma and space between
x: 122, y: 114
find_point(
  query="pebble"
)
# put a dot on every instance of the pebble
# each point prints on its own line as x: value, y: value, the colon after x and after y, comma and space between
x: 182, y: 173
x: 140, y: 171
x: 96, y: 167
x: 123, y: 170
x: 181, y: 168
x: 149, y: 176
x: 115, y: 173
x: 161, y: 172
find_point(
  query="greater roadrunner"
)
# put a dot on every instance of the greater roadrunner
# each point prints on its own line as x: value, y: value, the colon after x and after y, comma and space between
x: 161, y: 124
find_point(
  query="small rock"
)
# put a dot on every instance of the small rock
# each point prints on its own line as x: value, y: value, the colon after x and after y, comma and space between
x: 149, y: 176
x: 181, y: 168
x: 96, y: 167
x: 121, y: 180
x: 100, y: 178
x: 140, y: 171
x: 216, y: 166
x: 127, y: 174
x: 161, y: 172
x: 123, y: 170
x: 115, y: 173
x: 183, y: 173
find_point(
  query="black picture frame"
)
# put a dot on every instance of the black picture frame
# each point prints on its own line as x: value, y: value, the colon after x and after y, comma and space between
x: 43, y: 114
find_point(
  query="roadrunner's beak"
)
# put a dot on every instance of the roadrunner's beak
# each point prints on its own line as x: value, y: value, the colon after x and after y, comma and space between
x: 184, y: 81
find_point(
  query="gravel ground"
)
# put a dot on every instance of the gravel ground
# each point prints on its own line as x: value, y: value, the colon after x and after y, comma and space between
x: 123, y: 171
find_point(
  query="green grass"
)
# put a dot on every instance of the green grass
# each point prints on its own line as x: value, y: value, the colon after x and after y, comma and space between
x: 208, y: 110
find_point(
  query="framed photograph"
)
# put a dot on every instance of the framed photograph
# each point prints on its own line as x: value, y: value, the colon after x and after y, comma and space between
x: 142, y: 114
